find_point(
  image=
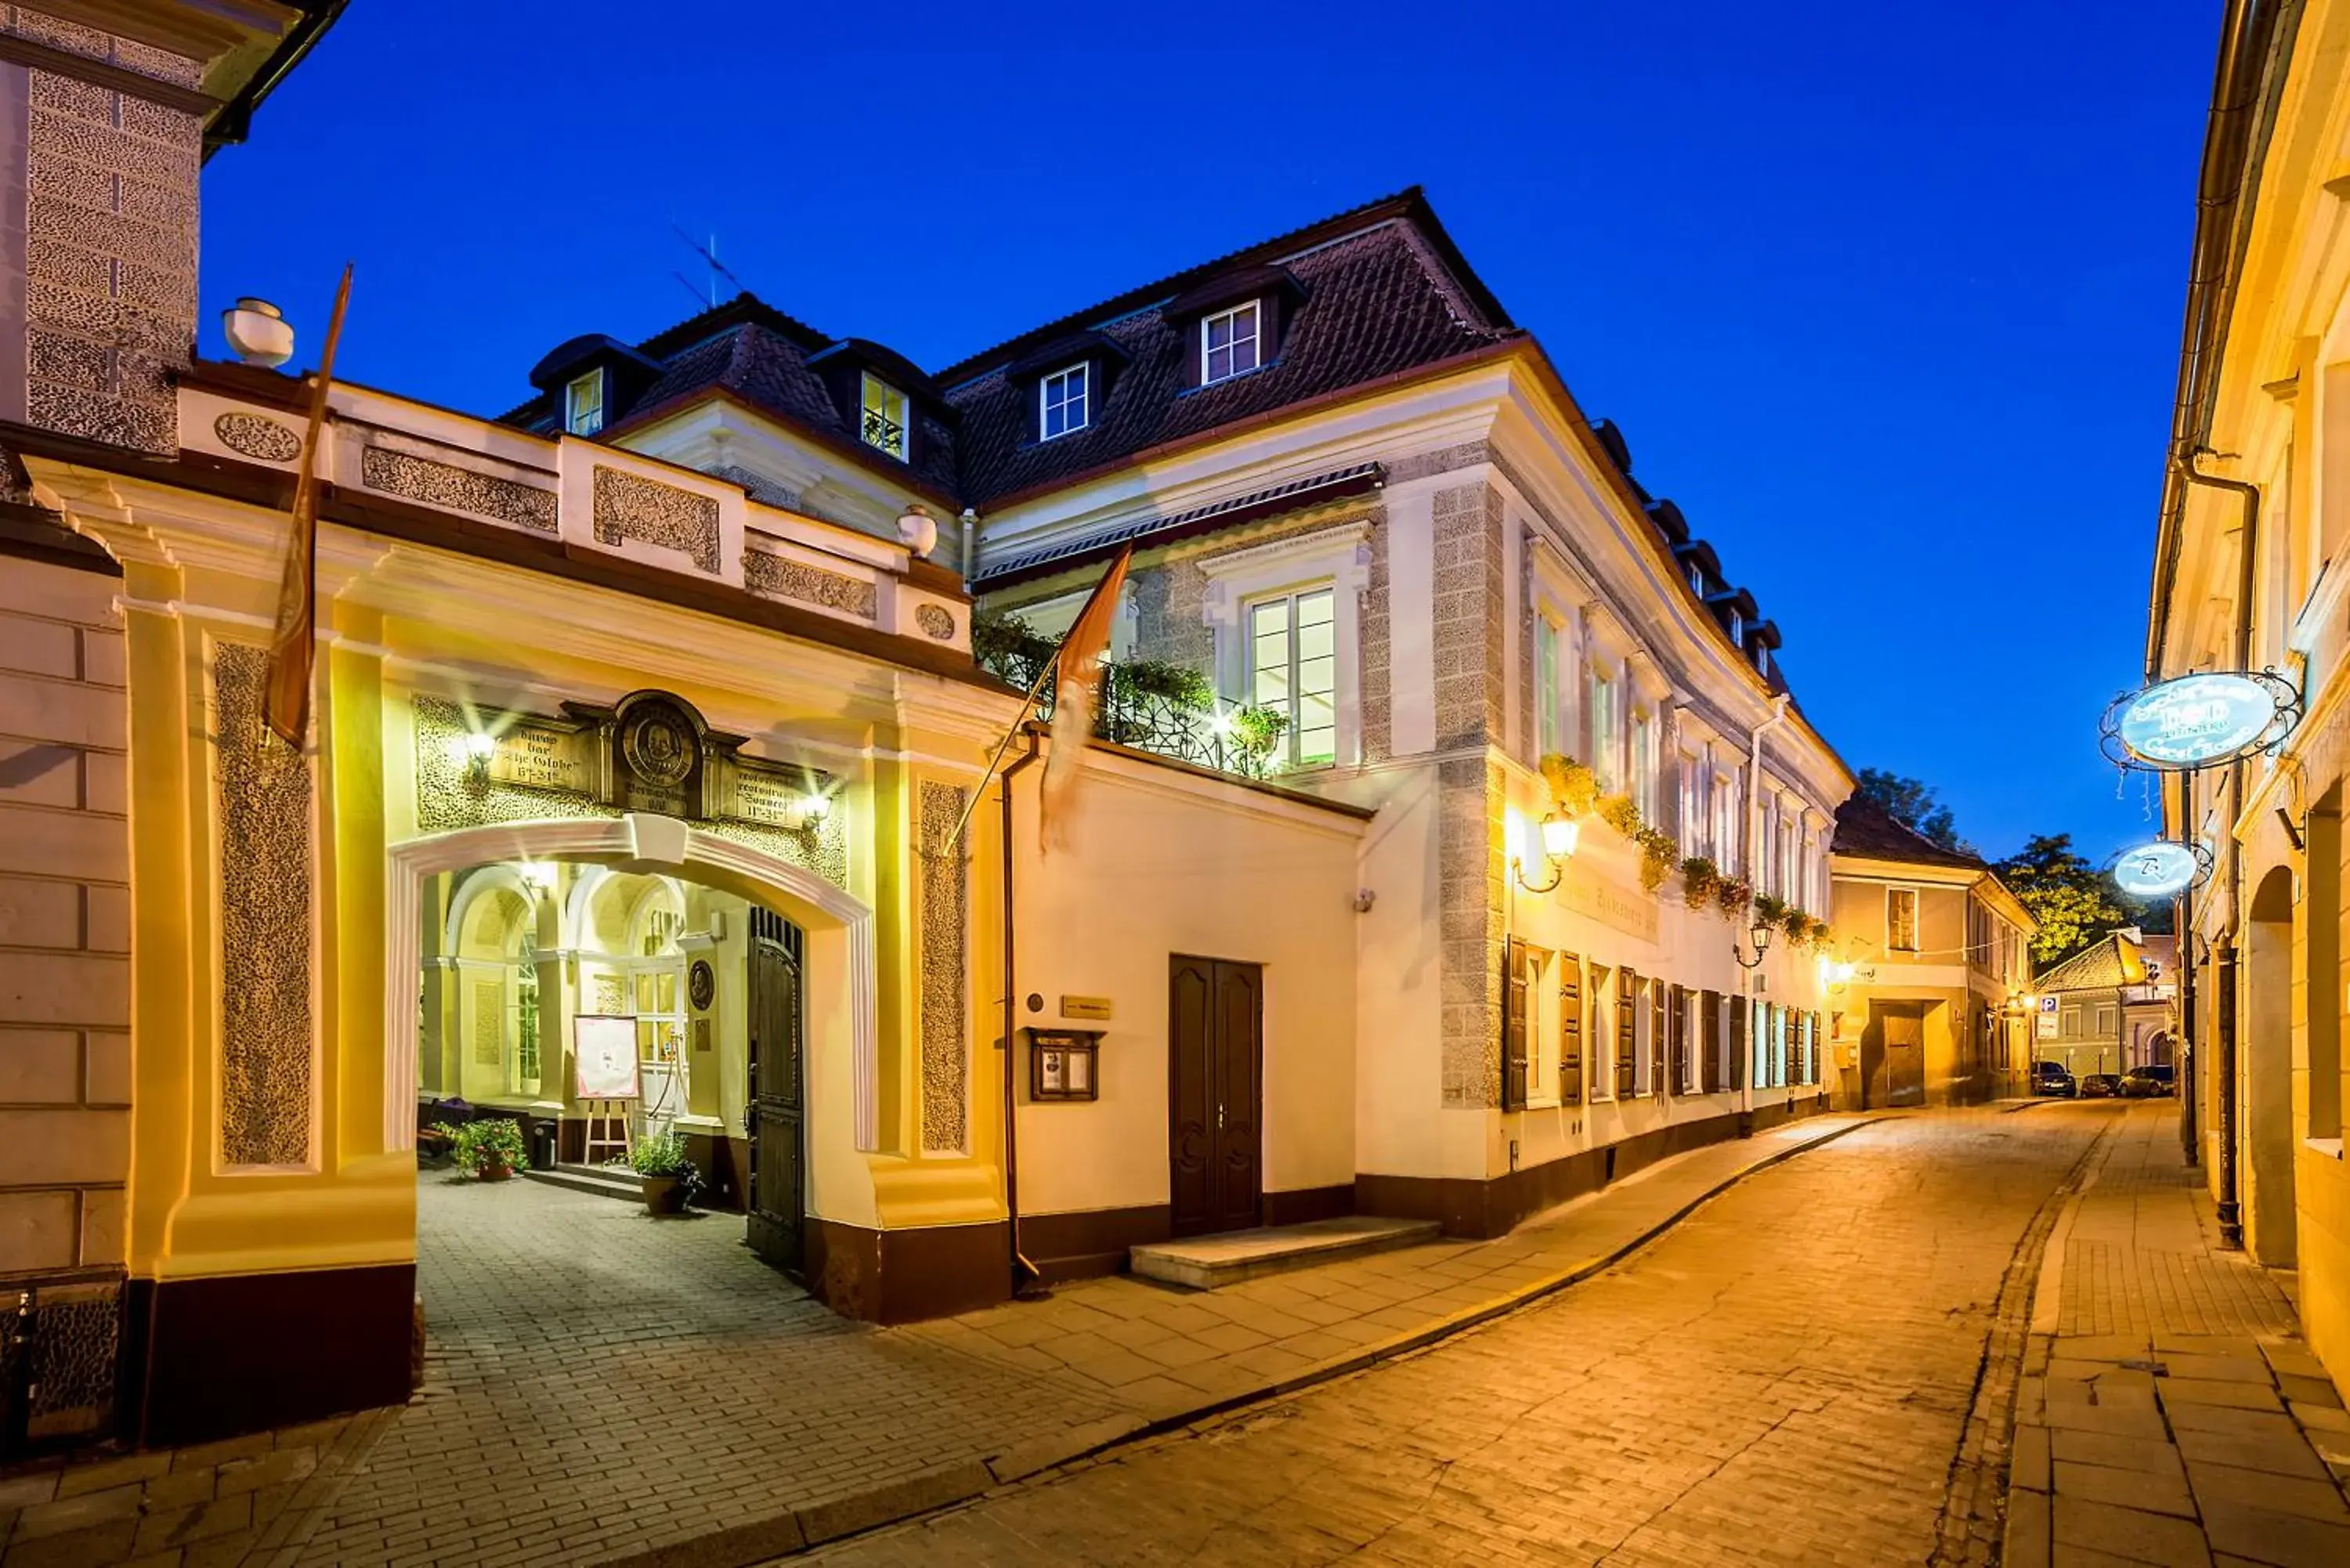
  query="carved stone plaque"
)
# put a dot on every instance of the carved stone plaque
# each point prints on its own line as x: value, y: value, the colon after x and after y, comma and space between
x: 542, y: 756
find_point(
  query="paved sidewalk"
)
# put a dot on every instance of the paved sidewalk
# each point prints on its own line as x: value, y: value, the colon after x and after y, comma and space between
x: 2170, y: 1413
x: 1166, y: 1354
x: 603, y: 1388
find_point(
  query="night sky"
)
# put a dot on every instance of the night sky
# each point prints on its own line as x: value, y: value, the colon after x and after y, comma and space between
x: 1887, y: 298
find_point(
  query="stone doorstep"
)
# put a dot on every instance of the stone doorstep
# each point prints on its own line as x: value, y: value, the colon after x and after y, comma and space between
x: 1210, y: 1263
x: 592, y: 1179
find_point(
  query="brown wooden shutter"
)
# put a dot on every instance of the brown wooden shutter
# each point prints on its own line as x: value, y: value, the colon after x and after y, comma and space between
x: 1680, y: 1063
x: 1741, y: 1025
x: 1570, y: 1029
x: 1514, y: 1028
x: 1659, y: 1023
x: 1627, y: 1021
x: 1708, y: 1008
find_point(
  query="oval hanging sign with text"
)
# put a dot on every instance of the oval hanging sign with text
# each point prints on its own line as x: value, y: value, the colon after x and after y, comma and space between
x: 2158, y: 870
x: 2197, y: 721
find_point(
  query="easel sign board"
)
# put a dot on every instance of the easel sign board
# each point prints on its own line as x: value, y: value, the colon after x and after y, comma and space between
x: 604, y: 1057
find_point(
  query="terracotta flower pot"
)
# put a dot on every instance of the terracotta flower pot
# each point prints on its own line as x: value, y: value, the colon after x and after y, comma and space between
x: 664, y: 1194
x: 494, y: 1172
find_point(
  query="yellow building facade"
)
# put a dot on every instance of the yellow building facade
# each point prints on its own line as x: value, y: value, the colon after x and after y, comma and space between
x: 2250, y: 573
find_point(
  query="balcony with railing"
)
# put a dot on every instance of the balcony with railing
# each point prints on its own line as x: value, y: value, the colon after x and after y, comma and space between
x: 1167, y: 709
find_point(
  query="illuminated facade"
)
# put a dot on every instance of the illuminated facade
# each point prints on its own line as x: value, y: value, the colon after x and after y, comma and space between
x: 2249, y: 578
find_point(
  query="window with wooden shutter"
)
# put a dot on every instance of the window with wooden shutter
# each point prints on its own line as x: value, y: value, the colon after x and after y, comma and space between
x: 1514, y: 1031
x: 1660, y: 1023
x: 1678, y: 1082
x: 1709, y: 1014
x: 1741, y: 1025
x: 1570, y: 1030
x: 1627, y: 1023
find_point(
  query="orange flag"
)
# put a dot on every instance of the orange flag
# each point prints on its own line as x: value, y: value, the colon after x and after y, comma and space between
x: 1076, y: 673
x: 294, y: 646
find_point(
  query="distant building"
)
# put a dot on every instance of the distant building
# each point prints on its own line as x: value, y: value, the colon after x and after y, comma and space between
x: 1927, y: 975
x: 2107, y: 1009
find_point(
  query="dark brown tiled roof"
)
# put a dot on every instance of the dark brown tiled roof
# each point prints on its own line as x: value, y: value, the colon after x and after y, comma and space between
x: 2113, y: 961
x: 1867, y: 829
x: 1377, y: 301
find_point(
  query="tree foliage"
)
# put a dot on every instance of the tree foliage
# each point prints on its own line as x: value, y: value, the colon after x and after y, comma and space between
x: 2072, y: 900
x: 1913, y: 803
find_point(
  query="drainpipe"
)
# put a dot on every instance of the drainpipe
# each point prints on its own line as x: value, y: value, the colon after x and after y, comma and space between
x: 2184, y: 1053
x: 1022, y: 1270
x: 2223, y: 1068
x: 1746, y: 859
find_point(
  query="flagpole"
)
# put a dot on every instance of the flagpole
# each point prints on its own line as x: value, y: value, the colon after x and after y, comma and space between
x: 293, y: 650
x: 1027, y: 705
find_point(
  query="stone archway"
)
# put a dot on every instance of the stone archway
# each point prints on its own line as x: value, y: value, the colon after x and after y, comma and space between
x: 840, y: 936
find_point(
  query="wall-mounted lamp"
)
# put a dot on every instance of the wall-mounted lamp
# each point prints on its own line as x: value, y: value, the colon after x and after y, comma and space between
x: 1758, y: 936
x: 811, y: 809
x: 539, y: 874
x: 1559, y: 837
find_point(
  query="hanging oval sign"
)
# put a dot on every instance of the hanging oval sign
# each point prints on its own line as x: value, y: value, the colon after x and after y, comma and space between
x: 2195, y: 721
x: 2157, y: 870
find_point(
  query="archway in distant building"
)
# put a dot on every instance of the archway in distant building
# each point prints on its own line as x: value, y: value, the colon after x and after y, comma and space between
x: 2264, y: 1074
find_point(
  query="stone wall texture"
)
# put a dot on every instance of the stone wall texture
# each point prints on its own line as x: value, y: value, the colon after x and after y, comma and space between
x: 946, y: 976
x: 1469, y: 600
x: 110, y: 246
x: 1469, y: 795
x: 65, y: 920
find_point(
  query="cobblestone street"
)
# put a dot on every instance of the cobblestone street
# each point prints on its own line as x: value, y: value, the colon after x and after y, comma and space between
x: 1785, y: 1378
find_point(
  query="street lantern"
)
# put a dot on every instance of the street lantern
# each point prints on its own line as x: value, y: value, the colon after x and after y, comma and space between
x: 1758, y: 936
x: 1560, y: 834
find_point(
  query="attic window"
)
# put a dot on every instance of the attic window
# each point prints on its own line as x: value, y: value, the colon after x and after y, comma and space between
x: 1065, y: 401
x: 1737, y: 625
x: 583, y: 404
x: 1697, y: 579
x: 1762, y: 660
x: 1228, y: 343
x: 883, y: 427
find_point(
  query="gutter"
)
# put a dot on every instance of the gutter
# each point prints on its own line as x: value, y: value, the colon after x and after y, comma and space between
x: 234, y: 123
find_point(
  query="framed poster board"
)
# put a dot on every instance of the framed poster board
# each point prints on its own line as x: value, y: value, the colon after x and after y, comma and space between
x: 604, y: 1057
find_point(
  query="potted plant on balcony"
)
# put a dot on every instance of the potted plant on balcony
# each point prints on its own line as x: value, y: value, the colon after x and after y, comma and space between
x: 491, y: 1147
x: 668, y: 1177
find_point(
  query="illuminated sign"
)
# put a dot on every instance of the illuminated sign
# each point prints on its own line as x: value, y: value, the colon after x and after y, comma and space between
x: 2196, y: 720
x: 2157, y: 870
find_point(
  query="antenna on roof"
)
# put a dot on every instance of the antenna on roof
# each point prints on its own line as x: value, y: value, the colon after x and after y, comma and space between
x: 717, y: 269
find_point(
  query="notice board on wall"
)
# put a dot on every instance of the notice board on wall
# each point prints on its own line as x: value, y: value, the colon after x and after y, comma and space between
x: 604, y: 1057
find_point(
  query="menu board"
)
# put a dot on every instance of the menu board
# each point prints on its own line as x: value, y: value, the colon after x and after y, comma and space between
x: 604, y: 1057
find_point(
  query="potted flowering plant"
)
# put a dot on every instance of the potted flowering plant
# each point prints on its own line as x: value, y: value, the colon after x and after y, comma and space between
x: 1700, y: 879
x: 668, y: 1177
x: 491, y: 1148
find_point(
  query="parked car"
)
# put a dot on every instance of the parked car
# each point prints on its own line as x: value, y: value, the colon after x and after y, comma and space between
x: 2101, y: 1085
x: 2150, y: 1082
x: 2053, y: 1079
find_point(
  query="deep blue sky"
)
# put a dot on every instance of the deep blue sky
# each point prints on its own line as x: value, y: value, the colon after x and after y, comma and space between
x: 1887, y: 297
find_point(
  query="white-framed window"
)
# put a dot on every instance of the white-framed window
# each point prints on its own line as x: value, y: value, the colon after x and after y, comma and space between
x: 1547, y: 713
x: 1697, y: 813
x: 1901, y: 919
x: 1737, y: 624
x: 583, y: 404
x: 1606, y: 729
x: 1728, y: 821
x: 1293, y: 669
x: 1643, y: 747
x: 1065, y: 401
x: 1697, y: 579
x: 1766, y: 869
x: 885, y: 417
x: 1599, y: 1039
x: 1228, y: 343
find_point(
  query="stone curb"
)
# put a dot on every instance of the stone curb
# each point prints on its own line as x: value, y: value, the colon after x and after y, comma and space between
x: 803, y: 1529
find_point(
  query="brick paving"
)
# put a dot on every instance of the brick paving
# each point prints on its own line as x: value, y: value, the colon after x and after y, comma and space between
x: 2170, y: 1413
x: 1787, y: 1376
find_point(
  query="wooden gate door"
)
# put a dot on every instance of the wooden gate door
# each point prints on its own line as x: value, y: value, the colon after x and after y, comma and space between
x: 1893, y: 1055
x: 776, y: 1106
x: 1215, y: 1081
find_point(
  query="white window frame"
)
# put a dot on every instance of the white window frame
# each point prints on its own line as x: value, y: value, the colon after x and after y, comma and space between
x: 1550, y: 708
x: 903, y: 418
x: 1766, y: 873
x: 1338, y: 557
x: 583, y: 403
x: 1254, y: 311
x: 1603, y: 686
x: 1599, y: 1024
x: 1293, y: 597
x: 1542, y: 1025
x: 1916, y: 919
x: 1082, y: 373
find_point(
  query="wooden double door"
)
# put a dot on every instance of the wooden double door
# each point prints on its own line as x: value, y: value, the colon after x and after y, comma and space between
x: 776, y: 1111
x: 1215, y: 1095
x: 1893, y: 1056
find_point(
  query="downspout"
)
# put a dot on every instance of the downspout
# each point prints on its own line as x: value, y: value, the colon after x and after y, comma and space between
x: 1746, y: 858
x: 2183, y: 1049
x: 2224, y: 1067
x: 1022, y: 1270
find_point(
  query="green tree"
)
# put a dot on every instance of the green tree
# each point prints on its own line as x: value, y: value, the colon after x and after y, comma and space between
x: 2072, y: 900
x: 1912, y: 804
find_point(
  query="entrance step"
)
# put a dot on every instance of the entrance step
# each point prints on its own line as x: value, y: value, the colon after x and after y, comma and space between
x: 1205, y: 1263
x: 601, y: 1180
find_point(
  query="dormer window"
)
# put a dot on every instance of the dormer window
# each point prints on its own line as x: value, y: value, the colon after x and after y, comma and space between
x: 885, y: 417
x: 583, y: 403
x: 1737, y: 625
x: 1762, y: 660
x: 1697, y: 579
x: 1228, y: 343
x: 1065, y: 401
